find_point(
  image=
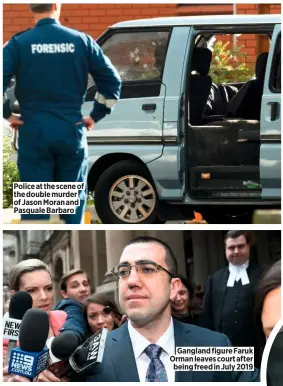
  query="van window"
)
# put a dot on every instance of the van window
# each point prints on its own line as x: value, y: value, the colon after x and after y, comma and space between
x: 227, y: 71
x: 234, y: 56
x: 137, y: 56
x: 275, y: 76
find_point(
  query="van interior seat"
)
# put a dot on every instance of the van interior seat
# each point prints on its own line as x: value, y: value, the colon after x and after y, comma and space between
x: 246, y: 103
x: 219, y: 97
x: 224, y: 143
x: 199, y: 84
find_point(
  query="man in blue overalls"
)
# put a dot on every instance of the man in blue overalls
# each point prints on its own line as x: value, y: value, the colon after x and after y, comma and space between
x: 51, y: 64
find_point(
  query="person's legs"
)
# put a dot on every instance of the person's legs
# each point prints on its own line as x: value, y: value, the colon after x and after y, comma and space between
x: 56, y: 152
x: 35, y: 162
x: 72, y: 166
x: 73, y: 169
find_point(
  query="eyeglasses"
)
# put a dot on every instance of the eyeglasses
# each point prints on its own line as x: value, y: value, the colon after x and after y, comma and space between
x: 144, y: 267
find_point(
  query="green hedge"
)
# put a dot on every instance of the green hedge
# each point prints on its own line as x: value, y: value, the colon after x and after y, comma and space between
x: 10, y: 173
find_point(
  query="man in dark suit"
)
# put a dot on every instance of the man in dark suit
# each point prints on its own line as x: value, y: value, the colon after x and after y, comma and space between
x: 229, y: 295
x: 274, y: 365
x: 140, y: 350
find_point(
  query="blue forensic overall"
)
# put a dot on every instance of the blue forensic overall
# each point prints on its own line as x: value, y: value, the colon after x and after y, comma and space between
x: 51, y: 64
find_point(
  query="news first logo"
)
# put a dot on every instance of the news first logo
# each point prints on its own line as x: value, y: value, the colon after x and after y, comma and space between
x: 11, y: 328
x: 27, y: 364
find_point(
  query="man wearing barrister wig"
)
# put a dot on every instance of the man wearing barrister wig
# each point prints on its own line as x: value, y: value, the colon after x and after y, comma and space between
x: 229, y: 295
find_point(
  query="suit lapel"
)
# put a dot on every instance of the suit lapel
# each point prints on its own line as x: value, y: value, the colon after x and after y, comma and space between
x: 182, y: 339
x: 122, y: 354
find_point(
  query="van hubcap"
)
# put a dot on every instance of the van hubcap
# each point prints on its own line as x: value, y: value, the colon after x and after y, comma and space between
x: 132, y: 199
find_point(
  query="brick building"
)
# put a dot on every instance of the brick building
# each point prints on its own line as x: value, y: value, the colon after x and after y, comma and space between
x: 95, y: 18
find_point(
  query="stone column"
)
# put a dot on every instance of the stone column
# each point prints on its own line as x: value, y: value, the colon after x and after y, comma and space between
x: 67, y: 259
x: 75, y: 242
x: 200, y: 264
x: 215, y: 251
x: 33, y: 242
x: 115, y: 243
x: 86, y: 253
x: 23, y: 244
x: 175, y: 240
x: 262, y: 247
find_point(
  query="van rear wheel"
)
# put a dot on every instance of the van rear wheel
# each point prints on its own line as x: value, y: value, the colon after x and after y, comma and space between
x: 125, y: 193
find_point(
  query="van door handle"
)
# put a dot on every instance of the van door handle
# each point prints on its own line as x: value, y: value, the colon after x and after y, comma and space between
x: 149, y: 107
x: 273, y: 113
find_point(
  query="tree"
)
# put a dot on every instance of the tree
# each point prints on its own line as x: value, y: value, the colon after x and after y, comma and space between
x: 228, y: 64
x: 10, y: 173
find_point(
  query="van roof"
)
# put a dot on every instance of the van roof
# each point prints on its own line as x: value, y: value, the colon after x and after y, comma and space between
x: 201, y: 20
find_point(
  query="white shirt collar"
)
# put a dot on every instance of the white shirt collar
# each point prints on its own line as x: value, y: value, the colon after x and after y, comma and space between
x: 140, y: 343
x: 237, y: 267
x: 238, y: 272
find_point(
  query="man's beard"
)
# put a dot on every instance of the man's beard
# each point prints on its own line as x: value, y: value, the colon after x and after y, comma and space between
x: 141, y: 318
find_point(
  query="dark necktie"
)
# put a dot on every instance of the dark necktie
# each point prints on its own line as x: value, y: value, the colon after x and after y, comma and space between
x: 156, y: 370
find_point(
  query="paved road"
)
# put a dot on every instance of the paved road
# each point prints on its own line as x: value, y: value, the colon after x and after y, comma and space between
x: 262, y: 217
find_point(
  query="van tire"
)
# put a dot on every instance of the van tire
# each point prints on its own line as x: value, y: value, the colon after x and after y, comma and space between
x: 111, y: 209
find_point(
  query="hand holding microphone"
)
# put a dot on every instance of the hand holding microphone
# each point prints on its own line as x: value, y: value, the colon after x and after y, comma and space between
x: 30, y: 358
x: 19, y: 304
x: 77, y: 359
x: 118, y: 318
x: 66, y: 357
x: 60, y: 349
x: 90, y: 352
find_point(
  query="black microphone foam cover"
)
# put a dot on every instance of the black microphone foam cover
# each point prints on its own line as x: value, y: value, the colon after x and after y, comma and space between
x: 34, y: 330
x: 64, y: 344
x: 80, y: 356
x: 19, y: 304
x: 108, y: 310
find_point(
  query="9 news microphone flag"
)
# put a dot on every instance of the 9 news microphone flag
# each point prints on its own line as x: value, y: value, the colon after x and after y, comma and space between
x: 31, y: 357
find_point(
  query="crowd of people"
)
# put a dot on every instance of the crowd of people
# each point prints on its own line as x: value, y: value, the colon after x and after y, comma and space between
x: 158, y: 311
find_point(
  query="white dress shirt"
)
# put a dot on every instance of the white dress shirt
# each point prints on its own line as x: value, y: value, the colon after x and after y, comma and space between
x: 238, y: 272
x: 140, y: 343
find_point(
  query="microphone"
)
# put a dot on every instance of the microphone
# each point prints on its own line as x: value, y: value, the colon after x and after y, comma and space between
x: 69, y: 357
x: 63, y: 345
x: 89, y: 352
x: 122, y: 318
x: 31, y: 357
x: 108, y: 310
x: 19, y: 304
x: 61, y: 348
